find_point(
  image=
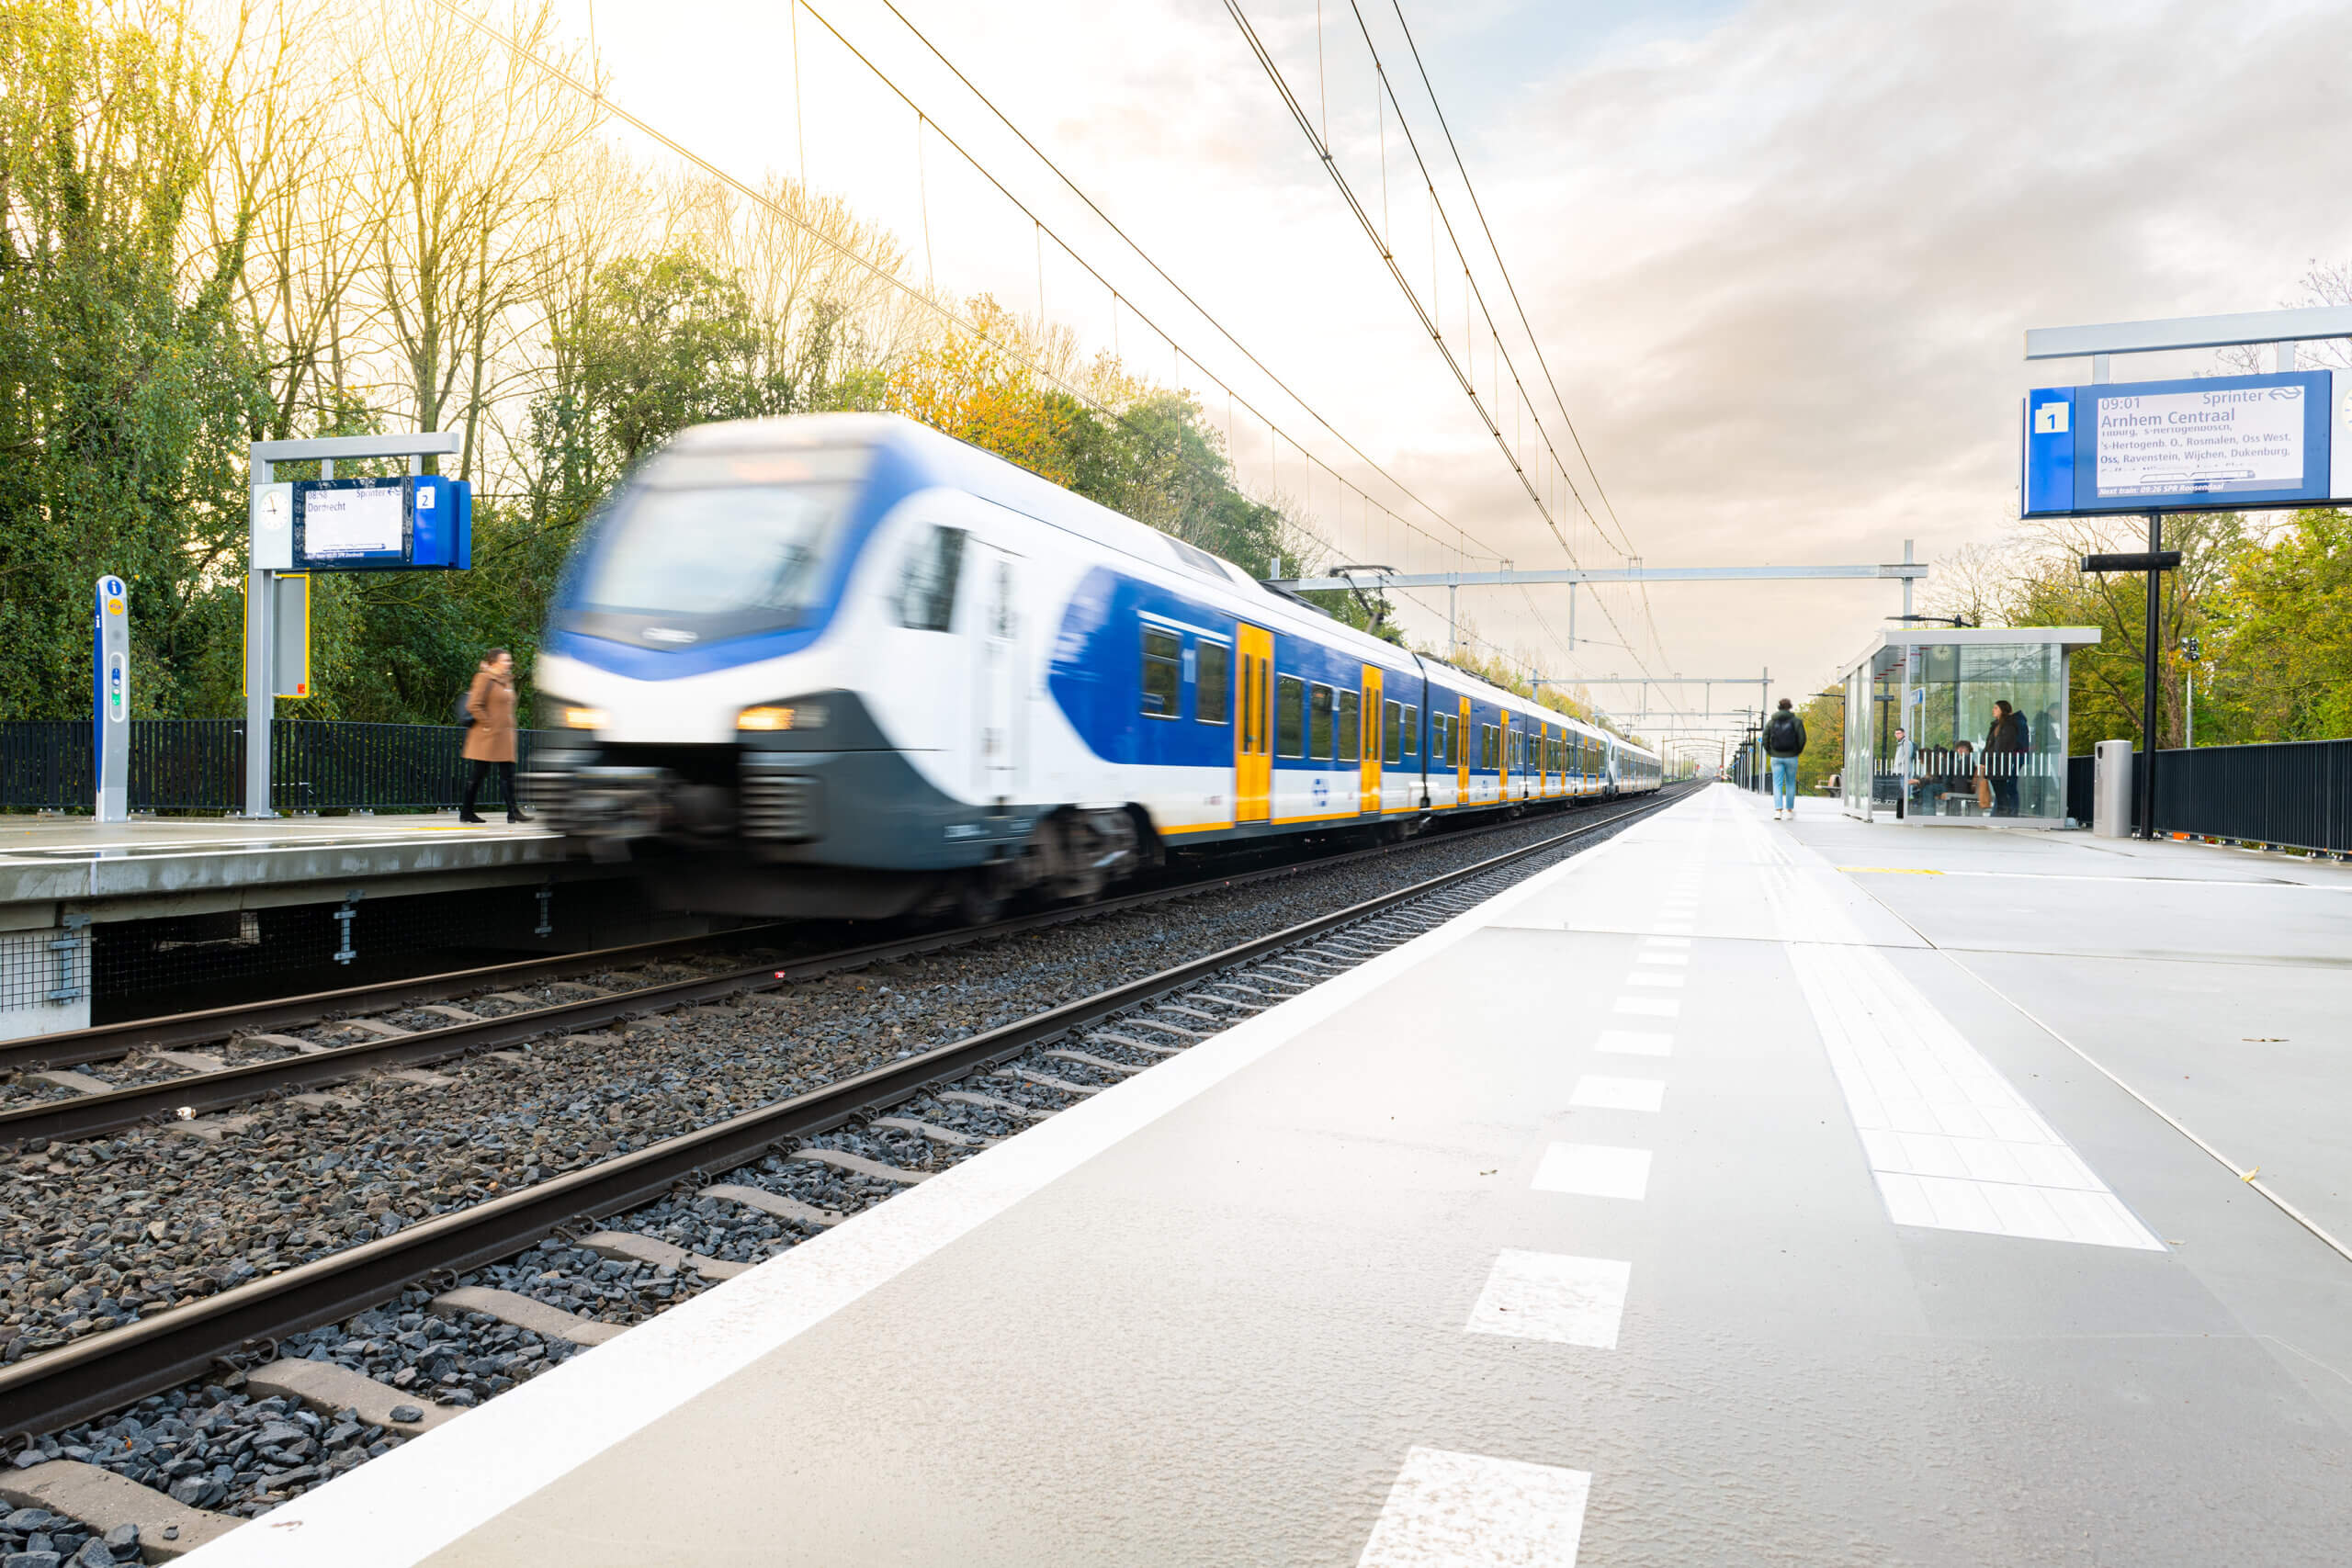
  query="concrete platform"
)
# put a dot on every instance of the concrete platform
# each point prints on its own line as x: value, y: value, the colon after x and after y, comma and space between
x: 1696, y: 1202
x: 61, y: 876
x: 154, y: 867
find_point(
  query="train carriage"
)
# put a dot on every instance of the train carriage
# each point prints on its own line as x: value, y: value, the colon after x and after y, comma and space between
x: 846, y: 665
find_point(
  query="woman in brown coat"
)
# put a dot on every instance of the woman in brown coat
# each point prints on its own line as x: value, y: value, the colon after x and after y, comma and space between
x: 490, y: 738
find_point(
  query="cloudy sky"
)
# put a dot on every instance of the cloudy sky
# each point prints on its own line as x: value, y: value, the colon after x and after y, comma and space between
x: 1778, y: 255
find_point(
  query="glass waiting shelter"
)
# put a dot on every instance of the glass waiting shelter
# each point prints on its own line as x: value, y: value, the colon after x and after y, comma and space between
x: 1961, y: 726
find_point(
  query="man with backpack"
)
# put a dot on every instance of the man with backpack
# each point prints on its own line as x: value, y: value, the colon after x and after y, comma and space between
x: 1784, y: 743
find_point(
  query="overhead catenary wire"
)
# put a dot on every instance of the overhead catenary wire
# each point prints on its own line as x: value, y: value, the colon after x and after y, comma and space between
x: 1184, y: 293
x: 1462, y: 375
x: 762, y: 199
x: 1511, y: 287
x: 1092, y: 271
x: 1502, y: 361
x: 1625, y: 539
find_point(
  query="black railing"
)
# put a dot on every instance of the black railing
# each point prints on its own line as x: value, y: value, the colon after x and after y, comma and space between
x: 45, y: 764
x: 199, y: 765
x: 2079, y: 774
x: 2296, y: 794
x: 2293, y: 793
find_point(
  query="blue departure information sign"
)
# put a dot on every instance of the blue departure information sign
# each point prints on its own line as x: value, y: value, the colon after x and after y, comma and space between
x: 2213, y: 444
x: 421, y: 523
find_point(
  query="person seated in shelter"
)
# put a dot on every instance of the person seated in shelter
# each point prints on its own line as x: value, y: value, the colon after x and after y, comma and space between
x: 1958, y: 782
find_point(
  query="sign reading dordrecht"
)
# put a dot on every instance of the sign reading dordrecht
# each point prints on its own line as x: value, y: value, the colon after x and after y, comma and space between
x: 2215, y: 444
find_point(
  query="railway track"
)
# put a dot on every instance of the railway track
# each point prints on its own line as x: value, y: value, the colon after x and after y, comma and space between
x: 1039, y: 1063
x: 180, y: 1083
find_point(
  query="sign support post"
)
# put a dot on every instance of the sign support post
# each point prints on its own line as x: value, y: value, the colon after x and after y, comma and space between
x: 271, y: 554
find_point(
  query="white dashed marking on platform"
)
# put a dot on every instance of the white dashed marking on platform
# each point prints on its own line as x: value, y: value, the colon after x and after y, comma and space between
x: 1545, y: 1295
x: 1594, y: 1171
x: 1669, y: 978
x: 1633, y: 1042
x: 1668, y: 959
x: 1457, y: 1511
x: 1665, y: 942
x: 1649, y: 1007
x: 1597, y: 1093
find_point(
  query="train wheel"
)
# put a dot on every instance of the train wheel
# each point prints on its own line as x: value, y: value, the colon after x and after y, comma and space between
x: 978, y: 901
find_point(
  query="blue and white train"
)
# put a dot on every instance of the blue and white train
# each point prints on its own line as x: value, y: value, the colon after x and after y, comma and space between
x: 844, y: 665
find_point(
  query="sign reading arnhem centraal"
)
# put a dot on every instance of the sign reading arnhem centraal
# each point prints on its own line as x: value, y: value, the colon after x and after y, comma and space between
x: 2217, y: 444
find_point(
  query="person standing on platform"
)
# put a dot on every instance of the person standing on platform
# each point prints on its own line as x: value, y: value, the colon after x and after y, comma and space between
x: 1784, y: 743
x: 2004, y: 745
x: 489, y: 733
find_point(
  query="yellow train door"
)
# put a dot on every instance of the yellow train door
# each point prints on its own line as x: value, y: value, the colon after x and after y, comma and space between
x: 1464, y: 739
x: 1369, y: 724
x: 1253, y: 747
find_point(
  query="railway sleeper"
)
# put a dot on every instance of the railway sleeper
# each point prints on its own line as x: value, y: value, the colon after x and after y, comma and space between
x: 1125, y: 1069
x: 931, y: 1130
x: 328, y: 1387
x: 520, y: 1311
x: 628, y: 1246
x: 108, y: 1503
x: 774, y: 1203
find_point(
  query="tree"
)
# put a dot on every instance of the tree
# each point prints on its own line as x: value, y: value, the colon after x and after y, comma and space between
x: 2108, y: 679
x: 121, y: 402
x: 468, y: 136
x: 2282, y: 660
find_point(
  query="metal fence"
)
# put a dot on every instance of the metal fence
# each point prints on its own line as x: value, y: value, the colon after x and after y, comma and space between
x: 199, y: 765
x: 2293, y: 793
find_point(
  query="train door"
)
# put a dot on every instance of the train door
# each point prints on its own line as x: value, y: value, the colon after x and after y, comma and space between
x: 997, y: 672
x: 1253, y: 746
x: 1464, y: 737
x: 1371, y: 727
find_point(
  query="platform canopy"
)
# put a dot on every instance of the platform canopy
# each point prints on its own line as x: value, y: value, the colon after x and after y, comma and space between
x: 1961, y: 726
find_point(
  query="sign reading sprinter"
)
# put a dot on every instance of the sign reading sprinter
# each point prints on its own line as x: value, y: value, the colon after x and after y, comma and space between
x: 2217, y: 444
x: 420, y: 522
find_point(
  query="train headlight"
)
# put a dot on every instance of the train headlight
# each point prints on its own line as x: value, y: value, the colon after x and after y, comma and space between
x: 774, y: 717
x: 573, y: 717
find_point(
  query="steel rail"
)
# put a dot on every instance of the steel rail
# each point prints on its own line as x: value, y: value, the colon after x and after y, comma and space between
x: 107, y: 1371
x: 169, y: 1032
x: 91, y: 1115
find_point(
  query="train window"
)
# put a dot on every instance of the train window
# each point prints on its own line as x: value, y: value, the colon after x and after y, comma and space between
x: 1318, y: 721
x: 1163, y: 680
x: 927, y: 584
x: 1392, y: 730
x: 1489, y: 749
x: 1290, y: 717
x: 1409, y: 729
x: 1350, y: 748
x: 1213, y: 697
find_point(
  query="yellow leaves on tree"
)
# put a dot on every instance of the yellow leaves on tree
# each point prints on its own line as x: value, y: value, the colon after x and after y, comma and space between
x: 983, y: 388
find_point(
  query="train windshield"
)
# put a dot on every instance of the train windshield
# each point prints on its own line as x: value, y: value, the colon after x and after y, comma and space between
x: 709, y: 546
